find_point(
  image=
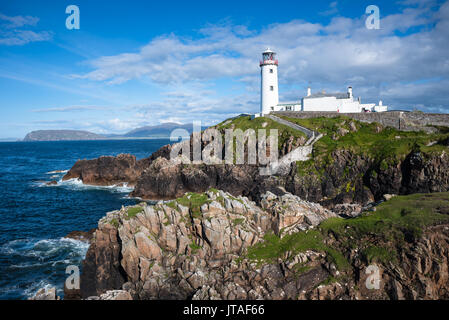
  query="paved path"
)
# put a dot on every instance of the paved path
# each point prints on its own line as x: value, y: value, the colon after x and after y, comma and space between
x: 311, y: 135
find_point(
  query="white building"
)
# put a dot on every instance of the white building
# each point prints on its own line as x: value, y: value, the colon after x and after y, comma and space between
x: 336, y: 102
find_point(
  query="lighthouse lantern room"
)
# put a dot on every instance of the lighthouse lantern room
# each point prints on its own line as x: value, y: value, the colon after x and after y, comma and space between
x: 269, y: 82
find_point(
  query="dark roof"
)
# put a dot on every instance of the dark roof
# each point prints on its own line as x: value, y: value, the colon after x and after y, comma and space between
x: 338, y: 95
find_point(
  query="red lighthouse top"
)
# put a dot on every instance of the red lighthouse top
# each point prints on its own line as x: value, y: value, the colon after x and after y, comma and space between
x: 268, y: 58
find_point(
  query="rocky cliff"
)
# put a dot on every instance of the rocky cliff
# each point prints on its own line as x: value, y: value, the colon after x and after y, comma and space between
x: 216, y: 246
x: 353, y: 163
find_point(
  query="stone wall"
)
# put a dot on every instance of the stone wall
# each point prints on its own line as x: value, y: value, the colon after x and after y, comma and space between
x: 408, y: 121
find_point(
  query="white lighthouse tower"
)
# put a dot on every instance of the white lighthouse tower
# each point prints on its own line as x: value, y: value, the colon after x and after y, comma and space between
x: 269, y: 94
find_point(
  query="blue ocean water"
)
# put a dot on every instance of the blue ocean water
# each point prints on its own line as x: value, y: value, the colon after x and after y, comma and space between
x: 34, y: 217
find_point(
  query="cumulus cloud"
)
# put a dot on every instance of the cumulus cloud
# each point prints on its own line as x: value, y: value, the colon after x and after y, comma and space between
x: 12, y: 30
x: 410, y: 49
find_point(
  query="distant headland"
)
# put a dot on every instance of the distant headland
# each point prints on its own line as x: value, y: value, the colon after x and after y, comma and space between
x: 158, y: 131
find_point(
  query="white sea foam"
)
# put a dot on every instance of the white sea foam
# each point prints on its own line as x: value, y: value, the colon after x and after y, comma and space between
x: 78, y: 185
x: 57, y: 171
x: 45, y: 248
x: 50, y: 255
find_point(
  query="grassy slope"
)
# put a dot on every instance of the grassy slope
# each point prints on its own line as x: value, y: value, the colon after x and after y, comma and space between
x: 385, y: 147
x: 376, y: 234
x: 245, y: 123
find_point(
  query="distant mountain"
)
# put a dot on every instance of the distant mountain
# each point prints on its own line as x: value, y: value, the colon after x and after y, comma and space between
x: 61, y: 135
x: 162, y: 130
x: 159, y: 131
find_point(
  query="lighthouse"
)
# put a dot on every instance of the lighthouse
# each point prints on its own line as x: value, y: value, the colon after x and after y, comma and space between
x: 269, y: 94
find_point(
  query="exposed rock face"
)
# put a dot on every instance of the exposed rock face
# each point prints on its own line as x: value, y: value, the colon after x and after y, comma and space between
x: 116, y: 295
x: 166, y: 179
x: 169, y: 251
x: 45, y: 294
x: 349, y: 178
x: 293, y: 214
x: 81, y: 235
x: 108, y: 170
x: 102, y: 263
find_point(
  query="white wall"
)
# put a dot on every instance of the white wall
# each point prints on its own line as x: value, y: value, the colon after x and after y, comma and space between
x: 320, y: 104
x: 269, y: 98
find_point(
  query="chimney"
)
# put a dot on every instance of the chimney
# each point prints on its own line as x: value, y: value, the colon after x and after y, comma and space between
x: 350, y: 92
x: 309, y: 91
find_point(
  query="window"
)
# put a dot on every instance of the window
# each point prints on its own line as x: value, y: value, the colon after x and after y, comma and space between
x: 271, y: 70
x: 272, y: 108
x: 271, y: 88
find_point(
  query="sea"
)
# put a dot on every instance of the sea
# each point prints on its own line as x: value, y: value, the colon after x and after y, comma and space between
x: 35, y: 217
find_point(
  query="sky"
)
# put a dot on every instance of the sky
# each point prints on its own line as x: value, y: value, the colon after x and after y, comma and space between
x: 135, y: 63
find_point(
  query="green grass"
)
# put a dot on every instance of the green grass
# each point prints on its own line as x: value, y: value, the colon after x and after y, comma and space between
x: 379, y: 254
x: 238, y: 221
x: 378, y: 234
x: 132, y: 212
x: 366, y: 141
x: 245, y: 123
x: 194, y: 201
x: 274, y: 247
x: 172, y: 204
x: 402, y: 215
x: 195, y: 247
x: 114, y: 222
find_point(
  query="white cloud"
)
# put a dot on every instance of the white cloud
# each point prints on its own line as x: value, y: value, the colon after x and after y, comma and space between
x: 410, y: 48
x: 13, y: 34
x: 70, y: 109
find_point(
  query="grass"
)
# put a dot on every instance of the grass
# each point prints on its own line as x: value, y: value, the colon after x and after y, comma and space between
x: 402, y: 215
x: 367, y: 141
x: 274, y: 247
x: 238, y: 221
x: 194, y: 201
x: 245, y: 123
x: 195, y: 247
x: 114, y: 222
x: 132, y: 212
x: 378, y: 234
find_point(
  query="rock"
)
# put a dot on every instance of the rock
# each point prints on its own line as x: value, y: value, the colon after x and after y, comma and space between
x: 342, y: 132
x: 291, y: 214
x: 116, y: 295
x: 81, y: 235
x: 388, y: 196
x: 51, y: 183
x: 108, y: 170
x: 352, y: 126
x: 45, y: 294
x: 348, y: 210
x: 170, y: 251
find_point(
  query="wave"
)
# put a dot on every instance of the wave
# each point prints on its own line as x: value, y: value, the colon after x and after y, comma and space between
x: 40, y: 263
x: 57, y: 171
x: 45, y: 248
x: 78, y: 185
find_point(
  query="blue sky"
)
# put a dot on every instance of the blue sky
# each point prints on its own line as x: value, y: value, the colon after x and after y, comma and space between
x: 135, y: 63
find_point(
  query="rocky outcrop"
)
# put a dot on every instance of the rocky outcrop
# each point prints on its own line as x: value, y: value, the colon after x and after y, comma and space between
x: 349, y: 179
x: 175, y: 251
x: 112, y: 295
x: 293, y: 214
x: 167, y: 179
x: 108, y: 170
x: 45, y: 294
x: 85, y: 236
x: 197, y: 248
